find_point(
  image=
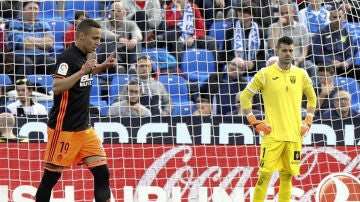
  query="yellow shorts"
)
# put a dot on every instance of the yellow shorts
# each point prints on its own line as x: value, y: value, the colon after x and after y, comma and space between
x: 64, y: 148
x: 280, y: 156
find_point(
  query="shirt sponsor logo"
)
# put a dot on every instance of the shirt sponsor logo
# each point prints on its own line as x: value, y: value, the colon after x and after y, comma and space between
x: 297, y: 155
x: 86, y: 80
x: 63, y: 69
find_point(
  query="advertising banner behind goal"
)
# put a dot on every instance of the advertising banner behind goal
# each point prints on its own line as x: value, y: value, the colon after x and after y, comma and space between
x: 199, y: 160
x: 179, y: 173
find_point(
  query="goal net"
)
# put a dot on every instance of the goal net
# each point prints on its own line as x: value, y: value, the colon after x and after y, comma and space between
x: 195, y: 146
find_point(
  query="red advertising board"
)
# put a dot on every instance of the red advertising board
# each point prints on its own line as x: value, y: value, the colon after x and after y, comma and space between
x: 170, y: 172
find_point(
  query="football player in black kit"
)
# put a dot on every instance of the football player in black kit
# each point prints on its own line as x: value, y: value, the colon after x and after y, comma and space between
x: 71, y: 139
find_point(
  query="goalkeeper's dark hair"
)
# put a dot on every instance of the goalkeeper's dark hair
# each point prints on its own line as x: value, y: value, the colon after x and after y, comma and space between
x: 85, y: 25
x: 285, y: 40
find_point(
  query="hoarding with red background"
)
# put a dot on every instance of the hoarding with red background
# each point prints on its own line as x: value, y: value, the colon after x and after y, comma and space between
x: 130, y: 162
x: 180, y: 172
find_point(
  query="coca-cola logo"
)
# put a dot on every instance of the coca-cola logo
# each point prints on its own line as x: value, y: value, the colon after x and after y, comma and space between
x: 338, y: 187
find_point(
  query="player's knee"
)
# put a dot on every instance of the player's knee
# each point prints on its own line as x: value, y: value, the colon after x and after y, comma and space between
x: 53, y: 168
x: 264, y: 178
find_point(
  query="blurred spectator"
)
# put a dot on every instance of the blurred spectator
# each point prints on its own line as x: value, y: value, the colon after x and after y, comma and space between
x: 7, y: 63
x: 221, y: 87
x: 245, y: 39
x: 146, y: 13
x: 325, y: 88
x: 272, y: 60
x: 333, y: 45
x: 154, y: 95
x: 7, y: 125
x: 203, y: 107
x: 32, y: 41
x: 10, y: 9
x: 287, y: 26
x: 24, y: 105
x: 210, y: 9
x: 314, y: 16
x: 239, y: 111
x: 185, y: 28
x: 351, y: 8
x: 342, y: 106
x: 69, y: 36
x: 267, y: 11
x: 2, y: 41
x: 121, y: 35
x: 3, y: 99
x: 131, y: 106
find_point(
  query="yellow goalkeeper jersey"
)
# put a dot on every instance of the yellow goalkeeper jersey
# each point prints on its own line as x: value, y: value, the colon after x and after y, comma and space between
x: 282, y: 92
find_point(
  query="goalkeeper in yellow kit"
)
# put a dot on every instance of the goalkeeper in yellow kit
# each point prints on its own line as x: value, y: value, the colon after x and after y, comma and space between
x: 282, y: 86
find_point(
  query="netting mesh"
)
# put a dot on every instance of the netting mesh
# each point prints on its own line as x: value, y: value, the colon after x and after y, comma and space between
x: 196, y: 145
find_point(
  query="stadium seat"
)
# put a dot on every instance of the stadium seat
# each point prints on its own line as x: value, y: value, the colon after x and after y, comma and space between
x: 94, y: 8
x: 96, y: 97
x: 356, y: 107
x: 4, y: 80
x: 44, y: 80
x: 48, y: 104
x: 197, y: 65
x: 351, y: 85
x: 178, y: 89
x: 117, y: 83
x: 161, y: 58
x: 218, y: 31
x: 48, y: 10
x: 59, y: 28
x: 357, y: 57
x: 354, y: 29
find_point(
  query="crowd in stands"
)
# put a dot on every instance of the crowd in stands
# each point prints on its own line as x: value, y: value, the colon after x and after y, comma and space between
x: 324, y: 46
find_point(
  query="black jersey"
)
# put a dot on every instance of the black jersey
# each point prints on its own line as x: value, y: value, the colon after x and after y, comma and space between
x: 70, y: 111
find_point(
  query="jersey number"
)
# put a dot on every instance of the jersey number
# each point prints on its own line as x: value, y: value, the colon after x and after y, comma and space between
x: 64, y: 147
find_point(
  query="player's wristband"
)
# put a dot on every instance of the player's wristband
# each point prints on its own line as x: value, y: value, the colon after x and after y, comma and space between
x: 310, y: 114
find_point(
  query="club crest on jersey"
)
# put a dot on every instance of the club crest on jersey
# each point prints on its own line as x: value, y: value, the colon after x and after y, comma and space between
x: 297, y: 155
x: 63, y: 69
x: 293, y: 79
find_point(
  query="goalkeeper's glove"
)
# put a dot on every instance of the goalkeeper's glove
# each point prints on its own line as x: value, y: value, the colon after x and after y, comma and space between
x: 258, y: 125
x: 306, y: 124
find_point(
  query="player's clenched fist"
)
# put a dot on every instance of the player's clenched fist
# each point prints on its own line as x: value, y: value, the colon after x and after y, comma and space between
x: 258, y: 125
x: 306, y: 124
x: 90, y: 63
